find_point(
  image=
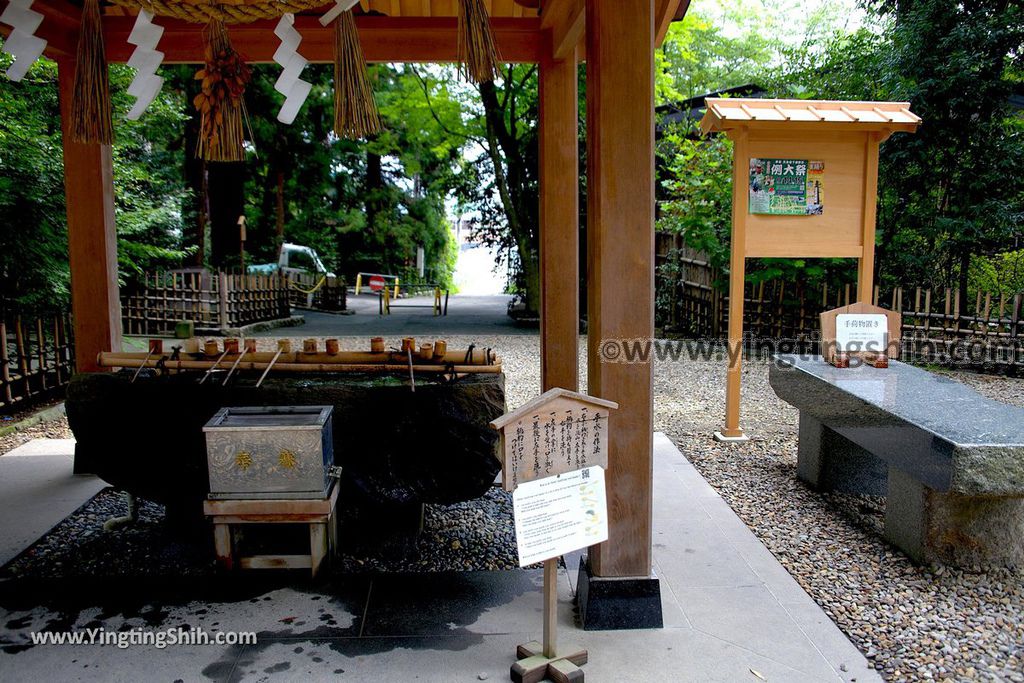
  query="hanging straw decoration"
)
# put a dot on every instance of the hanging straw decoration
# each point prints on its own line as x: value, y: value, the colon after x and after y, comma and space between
x: 220, y: 101
x: 90, y: 103
x: 355, y: 110
x: 478, y: 53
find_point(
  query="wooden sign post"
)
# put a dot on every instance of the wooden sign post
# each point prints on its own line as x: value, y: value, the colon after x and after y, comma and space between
x: 559, y: 432
x: 805, y: 185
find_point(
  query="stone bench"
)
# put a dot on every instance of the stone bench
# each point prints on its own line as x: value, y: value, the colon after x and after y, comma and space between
x: 949, y: 461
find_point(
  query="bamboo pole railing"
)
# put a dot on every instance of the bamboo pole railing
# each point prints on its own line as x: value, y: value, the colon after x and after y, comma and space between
x: 36, y: 357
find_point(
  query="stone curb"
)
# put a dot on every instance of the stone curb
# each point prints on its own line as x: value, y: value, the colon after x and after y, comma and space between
x: 46, y: 415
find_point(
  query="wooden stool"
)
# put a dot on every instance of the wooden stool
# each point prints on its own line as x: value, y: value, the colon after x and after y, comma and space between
x: 317, y: 513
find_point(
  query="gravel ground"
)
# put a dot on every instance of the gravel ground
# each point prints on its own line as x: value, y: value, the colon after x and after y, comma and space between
x: 473, y: 535
x: 54, y: 429
x: 914, y: 623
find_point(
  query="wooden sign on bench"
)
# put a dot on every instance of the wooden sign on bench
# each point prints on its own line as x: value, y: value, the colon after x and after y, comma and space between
x: 863, y: 331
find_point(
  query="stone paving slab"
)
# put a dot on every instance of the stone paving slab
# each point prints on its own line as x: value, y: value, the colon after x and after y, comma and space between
x: 732, y: 613
x: 38, y: 489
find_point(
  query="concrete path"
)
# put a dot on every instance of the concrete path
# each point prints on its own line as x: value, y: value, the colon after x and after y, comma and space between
x: 467, y: 315
x: 37, y: 491
x: 732, y: 613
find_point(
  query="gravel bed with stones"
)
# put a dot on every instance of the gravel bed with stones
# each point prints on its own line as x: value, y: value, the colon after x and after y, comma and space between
x: 913, y: 623
x: 476, y: 535
x: 51, y: 429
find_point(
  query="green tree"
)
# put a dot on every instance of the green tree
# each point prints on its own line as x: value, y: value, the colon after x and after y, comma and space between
x: 33, y: 225
x: 948, y: 193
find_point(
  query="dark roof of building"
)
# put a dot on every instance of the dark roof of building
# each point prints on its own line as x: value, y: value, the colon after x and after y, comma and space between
x: 692, y: 109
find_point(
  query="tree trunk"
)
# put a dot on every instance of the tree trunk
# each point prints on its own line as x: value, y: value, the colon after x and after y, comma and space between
x: 195, y: 209
x: 965, y: 271
x: 226, y: 184
x: 279, y: 210
x: 510, y: 176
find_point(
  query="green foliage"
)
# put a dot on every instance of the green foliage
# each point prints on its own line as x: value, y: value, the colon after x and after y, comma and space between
x: 950, y: 202
x: 364, y: 206
x: 33, y: 239
x: 698, y: 182
x: 33, y: 226
x: 949, y: 193
x: 148, y: 179
x: 698, y: 56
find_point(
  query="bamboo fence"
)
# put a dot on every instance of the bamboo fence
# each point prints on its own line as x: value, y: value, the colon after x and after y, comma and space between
x: 318, y: 293
x: 987, y: 331
x: 213, y: 302
x: 36, y: 357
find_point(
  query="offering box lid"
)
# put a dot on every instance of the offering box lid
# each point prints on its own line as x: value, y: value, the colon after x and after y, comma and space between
x: 269, y: 417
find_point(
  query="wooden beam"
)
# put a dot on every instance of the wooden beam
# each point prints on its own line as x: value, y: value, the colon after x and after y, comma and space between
x: 92, y: 237
x: 620, y: 265
x: 566, y: 20
x: 667, y: 12
x: 559, y: 223
x: 384, y: 39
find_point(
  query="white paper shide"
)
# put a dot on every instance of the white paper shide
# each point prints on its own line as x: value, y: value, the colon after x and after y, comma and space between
x: 22, y: 43
x: 294, y: 89
x: 145, y: 60
x: 559, y: 514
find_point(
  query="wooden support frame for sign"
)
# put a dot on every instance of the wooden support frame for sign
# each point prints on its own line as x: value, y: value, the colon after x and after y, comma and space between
x: 844, y: 137
x: 559, y: 431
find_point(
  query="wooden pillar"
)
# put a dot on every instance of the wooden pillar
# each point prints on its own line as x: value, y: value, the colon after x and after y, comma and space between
x: 92, y: 237
x: 866, y: 263
x: 620, y: 264
x: 737, y: 285
x: 559, y: 223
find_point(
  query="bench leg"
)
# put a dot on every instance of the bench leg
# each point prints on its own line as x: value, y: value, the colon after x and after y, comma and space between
x: 948, y: 528
x: 317, y: 545
x: 222, y: 545
x: 828, y: 461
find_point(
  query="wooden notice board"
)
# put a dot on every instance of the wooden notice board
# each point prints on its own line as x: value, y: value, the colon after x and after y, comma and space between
x: 841, y: 141
x: 559, y: 431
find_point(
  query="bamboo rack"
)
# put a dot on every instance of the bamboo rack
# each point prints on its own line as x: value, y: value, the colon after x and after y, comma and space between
x: 431, y: 358
x: 105, y: 360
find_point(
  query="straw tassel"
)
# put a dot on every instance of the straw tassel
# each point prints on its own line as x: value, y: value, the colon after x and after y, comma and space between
x: 355, y: 110
x: 478, y: 53
x: 90, y: 104
x: 220, y: 101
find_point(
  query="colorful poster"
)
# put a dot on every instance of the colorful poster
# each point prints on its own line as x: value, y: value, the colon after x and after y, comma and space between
x: 787, y: 187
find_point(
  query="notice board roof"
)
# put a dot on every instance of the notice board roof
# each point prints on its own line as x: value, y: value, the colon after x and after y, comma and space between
x: 550, y: 395
x: 728, y: 113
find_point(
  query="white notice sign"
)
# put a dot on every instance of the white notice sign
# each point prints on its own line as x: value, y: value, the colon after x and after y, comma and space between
x: 857, y: 332
x: 559, y: 514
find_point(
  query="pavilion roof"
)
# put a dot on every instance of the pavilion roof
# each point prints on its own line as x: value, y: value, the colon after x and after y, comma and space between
x: 729, y: 113
x: 398, y: 8
x: 390, y: 30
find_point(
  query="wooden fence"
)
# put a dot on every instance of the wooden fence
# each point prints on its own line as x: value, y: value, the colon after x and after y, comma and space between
x: 318, y: 292
x: 213, y: 302
x: 36, y: 357
x: 986, y: 331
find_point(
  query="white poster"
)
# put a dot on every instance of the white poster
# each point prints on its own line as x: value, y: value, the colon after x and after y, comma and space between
x: 856, y: 332
x: 559, y: 514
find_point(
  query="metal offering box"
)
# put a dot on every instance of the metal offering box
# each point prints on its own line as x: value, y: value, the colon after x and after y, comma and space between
x: 270, y: 452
